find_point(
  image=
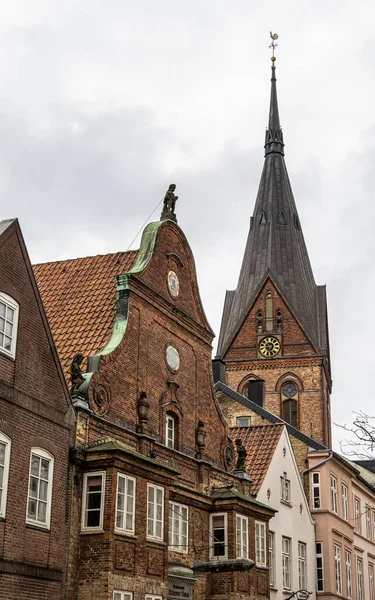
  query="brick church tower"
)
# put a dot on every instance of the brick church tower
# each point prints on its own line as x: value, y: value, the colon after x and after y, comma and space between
x: 273, y: 345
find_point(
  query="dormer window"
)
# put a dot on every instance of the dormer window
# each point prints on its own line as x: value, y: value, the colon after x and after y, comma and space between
x: 171, y: 430
x: 8, y: 325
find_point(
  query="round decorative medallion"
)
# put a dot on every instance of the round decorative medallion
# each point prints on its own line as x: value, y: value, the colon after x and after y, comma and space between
x: 100, y: 399
x: 173, y: 358
x: 228, y: 455
x: 173, y: 284
x: 269, y: 347
x: 289, y: 389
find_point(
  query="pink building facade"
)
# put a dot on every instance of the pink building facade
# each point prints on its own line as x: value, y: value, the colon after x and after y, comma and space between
x: 342, y: 502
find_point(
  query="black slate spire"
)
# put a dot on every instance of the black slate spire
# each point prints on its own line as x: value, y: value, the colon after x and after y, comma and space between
x: 274, y: 136
x: 276, y: 245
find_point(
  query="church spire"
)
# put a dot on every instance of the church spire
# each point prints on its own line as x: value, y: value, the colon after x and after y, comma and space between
x: 275, y: 245
x: 274, y: 141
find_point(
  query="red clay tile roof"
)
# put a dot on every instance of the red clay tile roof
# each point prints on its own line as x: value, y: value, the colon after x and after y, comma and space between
x: 79, y: 296
x: 260, y: 443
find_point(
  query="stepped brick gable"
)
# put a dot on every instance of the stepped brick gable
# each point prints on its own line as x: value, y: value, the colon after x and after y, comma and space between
x: 149, y: 432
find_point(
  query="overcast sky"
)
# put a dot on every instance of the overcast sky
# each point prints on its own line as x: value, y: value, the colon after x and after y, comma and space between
x: 103, y: 104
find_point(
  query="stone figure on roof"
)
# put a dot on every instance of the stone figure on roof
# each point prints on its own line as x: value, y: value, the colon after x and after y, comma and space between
x: 241, y: 455
x: 168, y: 211
x: 76, y: 376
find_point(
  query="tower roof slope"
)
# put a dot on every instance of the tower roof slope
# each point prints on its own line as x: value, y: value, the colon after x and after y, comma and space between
x: 275, y: 244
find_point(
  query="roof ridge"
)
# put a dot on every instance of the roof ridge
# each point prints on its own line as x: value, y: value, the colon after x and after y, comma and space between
x: 53, y: 262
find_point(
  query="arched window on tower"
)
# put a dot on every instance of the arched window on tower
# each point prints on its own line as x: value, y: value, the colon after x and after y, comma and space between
x: 259, y: 321
x: 290, y: 412
x: 289, y: 396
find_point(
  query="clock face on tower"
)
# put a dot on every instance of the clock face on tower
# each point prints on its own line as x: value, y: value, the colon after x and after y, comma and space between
x: 269, y: 347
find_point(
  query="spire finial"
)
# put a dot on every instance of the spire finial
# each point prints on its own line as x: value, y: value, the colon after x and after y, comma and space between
x: 274, y: 135
x: 273, y: 37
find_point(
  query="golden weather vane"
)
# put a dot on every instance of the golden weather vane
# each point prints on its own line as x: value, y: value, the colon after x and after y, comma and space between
x: 273, y: 37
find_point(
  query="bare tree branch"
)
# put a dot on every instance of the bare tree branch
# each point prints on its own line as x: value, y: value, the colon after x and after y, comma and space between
x: 363, y: 430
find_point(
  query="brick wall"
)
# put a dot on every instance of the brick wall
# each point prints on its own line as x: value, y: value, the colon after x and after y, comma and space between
x: 34, y: 412
x: 298, y: 359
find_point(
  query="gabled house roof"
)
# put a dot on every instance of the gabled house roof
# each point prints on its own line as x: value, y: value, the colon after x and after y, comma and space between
x: 260, y: 442
x: 79, y: 297
x: 266, y: 414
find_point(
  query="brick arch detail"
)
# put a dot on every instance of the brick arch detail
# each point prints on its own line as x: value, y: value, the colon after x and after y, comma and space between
x: 38, y: 442
x: 242, y: 385
x: 289, y: 377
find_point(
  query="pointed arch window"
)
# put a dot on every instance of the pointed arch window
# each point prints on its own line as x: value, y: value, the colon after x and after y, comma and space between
x: 290, y: 412
x: 289, y: 399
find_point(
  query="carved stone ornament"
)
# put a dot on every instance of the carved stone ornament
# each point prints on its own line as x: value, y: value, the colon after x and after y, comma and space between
x: 200, y: 439
x: 76, y: 376
x: 100, y: 399
x: 228, y: 454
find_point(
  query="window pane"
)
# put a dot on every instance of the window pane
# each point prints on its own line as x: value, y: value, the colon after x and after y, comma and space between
x: 33, y: 489
x: 7, y: 343
x: 93, y: 518
x: 32, y: 509
x: 35, y: 465
x: 2, y: 324
x: 94, y: 500
x: 43, y: 488
x: 8, y: 328
x: 2, y: 309
x: 42, y: 512
x: 10, y: 314
x: 2, y: 453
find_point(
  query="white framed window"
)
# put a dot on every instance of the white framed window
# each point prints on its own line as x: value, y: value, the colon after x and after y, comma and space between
x: 8, y: 324
x: 348, y: 570
x: 155, y: 512
x: 319, y: 567
x: 316, y: 499
x: 117, y: 595
x: 286, y: 562
x: 125, y: 504
x: 219, y: 535
x: 338, y: 574
x: 359, y: 579
x: 368, y: 522
x: 271, y: 549
x: 40, y: 488
x: 170, y: 431
x: 178, y: 527
x: 260, y: 544
x: 152, y: 597
x: 357, y: 515
x: 242, y: 536
x: 371, y: 580
x: 285, y: 488
x: 4, y: 471
x: 243, y: 421
x: 302, y: 572
x: 344, y: 497
x: 334, y: 494
x: 373, y: 525
x: 93, y: 501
